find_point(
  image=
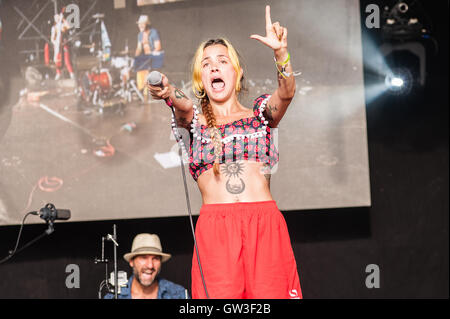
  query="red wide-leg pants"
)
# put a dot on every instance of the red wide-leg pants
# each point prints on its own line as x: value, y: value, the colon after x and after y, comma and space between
x: 245, y: 252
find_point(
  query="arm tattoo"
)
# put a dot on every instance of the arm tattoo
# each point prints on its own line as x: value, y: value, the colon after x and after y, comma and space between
x: 269, y: 111
x: 235, y: 184
x: 182, y: 122
x: 179, y: 94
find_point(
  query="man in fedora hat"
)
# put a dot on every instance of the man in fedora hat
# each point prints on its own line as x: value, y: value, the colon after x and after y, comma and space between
x: 146, y: 258
x: 148, y: 37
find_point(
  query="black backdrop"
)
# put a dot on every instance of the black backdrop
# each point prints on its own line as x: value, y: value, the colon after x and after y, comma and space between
x: 405, y: 232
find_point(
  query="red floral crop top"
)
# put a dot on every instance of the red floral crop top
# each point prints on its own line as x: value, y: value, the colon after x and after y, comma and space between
x: 248, y: 139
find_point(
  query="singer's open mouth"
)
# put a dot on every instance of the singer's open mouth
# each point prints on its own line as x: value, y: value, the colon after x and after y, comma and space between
x: 217, y: 84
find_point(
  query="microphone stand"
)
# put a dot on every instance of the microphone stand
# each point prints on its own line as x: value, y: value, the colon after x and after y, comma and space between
x: 47, y: 232
x: 112, y: 238
x: 103, y: 261
x: 50, y: 229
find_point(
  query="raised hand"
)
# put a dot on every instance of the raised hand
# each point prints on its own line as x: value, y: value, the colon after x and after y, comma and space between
x: 276, y: 35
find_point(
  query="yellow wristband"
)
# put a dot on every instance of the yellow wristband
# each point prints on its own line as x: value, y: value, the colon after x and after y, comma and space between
x: 285, y: 62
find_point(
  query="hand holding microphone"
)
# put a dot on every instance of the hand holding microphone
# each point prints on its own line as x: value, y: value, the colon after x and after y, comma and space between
x: 159, y: 87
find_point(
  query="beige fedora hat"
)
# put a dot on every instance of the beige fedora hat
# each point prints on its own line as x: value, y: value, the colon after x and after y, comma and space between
x: 146, y: 244
x: 144, y: 19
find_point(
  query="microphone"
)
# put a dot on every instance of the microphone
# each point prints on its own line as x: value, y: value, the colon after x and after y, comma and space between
x: 155, y: 79
x: 50, y: 213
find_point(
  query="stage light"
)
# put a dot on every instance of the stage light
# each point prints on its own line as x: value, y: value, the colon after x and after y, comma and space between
x: 399, y: 81
x: 402, y: 7
x: 390, y: 21
x: 413, y: 21
x: 406, y: 34
x: 403, y: 21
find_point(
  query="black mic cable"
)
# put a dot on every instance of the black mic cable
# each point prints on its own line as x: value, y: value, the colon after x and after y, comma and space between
x: 155, y: 79
x: 12, y: 252
x: 48, y: 213
x: 183, y: 172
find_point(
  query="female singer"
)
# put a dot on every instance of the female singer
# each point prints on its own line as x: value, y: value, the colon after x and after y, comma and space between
x: 243, y: 241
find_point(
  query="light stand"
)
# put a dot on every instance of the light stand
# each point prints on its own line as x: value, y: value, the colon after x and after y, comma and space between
x: 112, y: 238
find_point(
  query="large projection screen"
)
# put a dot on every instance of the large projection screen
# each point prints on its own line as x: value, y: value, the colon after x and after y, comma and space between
x: 117, y: 165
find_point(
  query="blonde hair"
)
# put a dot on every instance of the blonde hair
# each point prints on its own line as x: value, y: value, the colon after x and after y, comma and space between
x: 200, y: 93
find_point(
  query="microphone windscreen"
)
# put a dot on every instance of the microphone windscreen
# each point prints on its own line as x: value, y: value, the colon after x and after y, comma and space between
x: 63, y: 214
x: 154, y: 78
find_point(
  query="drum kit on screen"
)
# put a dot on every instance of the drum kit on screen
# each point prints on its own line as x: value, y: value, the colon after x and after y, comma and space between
x: 109, y: 83
x: 102, y: 81
x: 105, y: 80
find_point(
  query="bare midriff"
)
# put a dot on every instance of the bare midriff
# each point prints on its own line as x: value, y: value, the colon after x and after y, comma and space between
x: 241, y: 181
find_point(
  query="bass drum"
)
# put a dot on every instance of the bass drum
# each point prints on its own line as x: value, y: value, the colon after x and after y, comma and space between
x: 97, y: 82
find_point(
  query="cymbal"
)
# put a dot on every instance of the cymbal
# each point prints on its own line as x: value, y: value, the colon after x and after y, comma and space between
x: 98, y: 16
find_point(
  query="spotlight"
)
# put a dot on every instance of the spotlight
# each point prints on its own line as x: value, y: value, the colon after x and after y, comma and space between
x: 399, y: 81
x: 401, y: 63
